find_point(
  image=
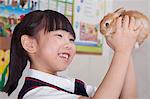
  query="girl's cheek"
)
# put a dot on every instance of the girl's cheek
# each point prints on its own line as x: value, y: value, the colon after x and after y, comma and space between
x: 74, y: 49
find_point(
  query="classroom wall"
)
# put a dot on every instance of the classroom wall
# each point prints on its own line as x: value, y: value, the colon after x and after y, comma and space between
x: 92, y: 68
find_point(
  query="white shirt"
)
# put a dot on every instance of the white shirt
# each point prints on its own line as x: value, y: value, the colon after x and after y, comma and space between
x: 45, y: 92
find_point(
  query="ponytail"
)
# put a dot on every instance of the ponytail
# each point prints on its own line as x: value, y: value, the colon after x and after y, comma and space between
x: 18, y: 62
x: 30, y: 25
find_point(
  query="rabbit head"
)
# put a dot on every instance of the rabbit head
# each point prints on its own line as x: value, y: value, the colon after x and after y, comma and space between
x: 108, y: 22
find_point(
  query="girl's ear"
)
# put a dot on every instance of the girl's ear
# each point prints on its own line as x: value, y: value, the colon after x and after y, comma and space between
x: 29, y: 43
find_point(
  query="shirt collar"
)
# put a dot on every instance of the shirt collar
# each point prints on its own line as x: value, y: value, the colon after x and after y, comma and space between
x: 59, y: 81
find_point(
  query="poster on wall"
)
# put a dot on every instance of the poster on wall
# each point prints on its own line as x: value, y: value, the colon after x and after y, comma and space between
x: 9, y: 17
x: 86, y: 18
x: 24, y: 4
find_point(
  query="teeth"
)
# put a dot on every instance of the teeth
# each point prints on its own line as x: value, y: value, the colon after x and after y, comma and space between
x: 64, y: 56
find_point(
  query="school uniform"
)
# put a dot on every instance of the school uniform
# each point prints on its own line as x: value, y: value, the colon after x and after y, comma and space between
x: 41, y: 85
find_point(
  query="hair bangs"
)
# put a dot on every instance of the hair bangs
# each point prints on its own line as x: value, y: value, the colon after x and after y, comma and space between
x: 58, y: 21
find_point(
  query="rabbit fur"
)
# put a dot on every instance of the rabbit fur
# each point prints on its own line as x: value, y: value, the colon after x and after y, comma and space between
x: 108, y: 23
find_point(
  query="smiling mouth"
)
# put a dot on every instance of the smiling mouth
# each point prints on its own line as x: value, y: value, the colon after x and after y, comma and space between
x: 64, y: 56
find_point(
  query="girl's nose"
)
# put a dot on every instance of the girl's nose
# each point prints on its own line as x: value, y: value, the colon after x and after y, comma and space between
x: 68, y: 46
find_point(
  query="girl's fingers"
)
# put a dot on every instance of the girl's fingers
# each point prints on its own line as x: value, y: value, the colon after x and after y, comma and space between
x: 119, y: 23
x: 132, y: 23
x: 125, y: 23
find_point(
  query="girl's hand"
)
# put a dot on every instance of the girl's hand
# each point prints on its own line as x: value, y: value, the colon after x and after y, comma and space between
x: 125, y: 35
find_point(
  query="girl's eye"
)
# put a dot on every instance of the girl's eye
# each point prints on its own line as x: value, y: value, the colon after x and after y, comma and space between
x: 72, y: 40
x: 59, y: 35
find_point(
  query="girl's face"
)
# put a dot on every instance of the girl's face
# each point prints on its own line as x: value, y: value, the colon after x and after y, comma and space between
x: 55, y: 51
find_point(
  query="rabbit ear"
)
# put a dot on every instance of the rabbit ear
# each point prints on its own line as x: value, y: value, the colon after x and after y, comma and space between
x: 119, y: 11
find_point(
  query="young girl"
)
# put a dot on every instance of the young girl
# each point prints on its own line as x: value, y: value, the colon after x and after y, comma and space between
x: 46, y: 39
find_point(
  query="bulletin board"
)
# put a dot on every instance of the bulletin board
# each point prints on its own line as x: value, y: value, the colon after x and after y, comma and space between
x: 86, y: 18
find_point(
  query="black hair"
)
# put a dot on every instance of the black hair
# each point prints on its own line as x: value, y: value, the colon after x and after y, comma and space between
x: 31, y: 24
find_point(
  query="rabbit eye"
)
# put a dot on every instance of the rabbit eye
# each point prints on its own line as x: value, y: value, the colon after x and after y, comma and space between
x: 106, y: 24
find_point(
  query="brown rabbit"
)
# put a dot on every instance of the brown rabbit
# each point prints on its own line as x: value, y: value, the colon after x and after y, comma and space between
x: 107, y: 24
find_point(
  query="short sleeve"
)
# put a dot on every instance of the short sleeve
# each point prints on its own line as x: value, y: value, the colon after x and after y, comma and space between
x: 48, y: 93
x: 90, y: 90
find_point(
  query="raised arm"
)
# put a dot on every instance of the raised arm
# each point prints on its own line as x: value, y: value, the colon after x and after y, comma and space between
x: 122, y: 42
x: 129, y: 90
